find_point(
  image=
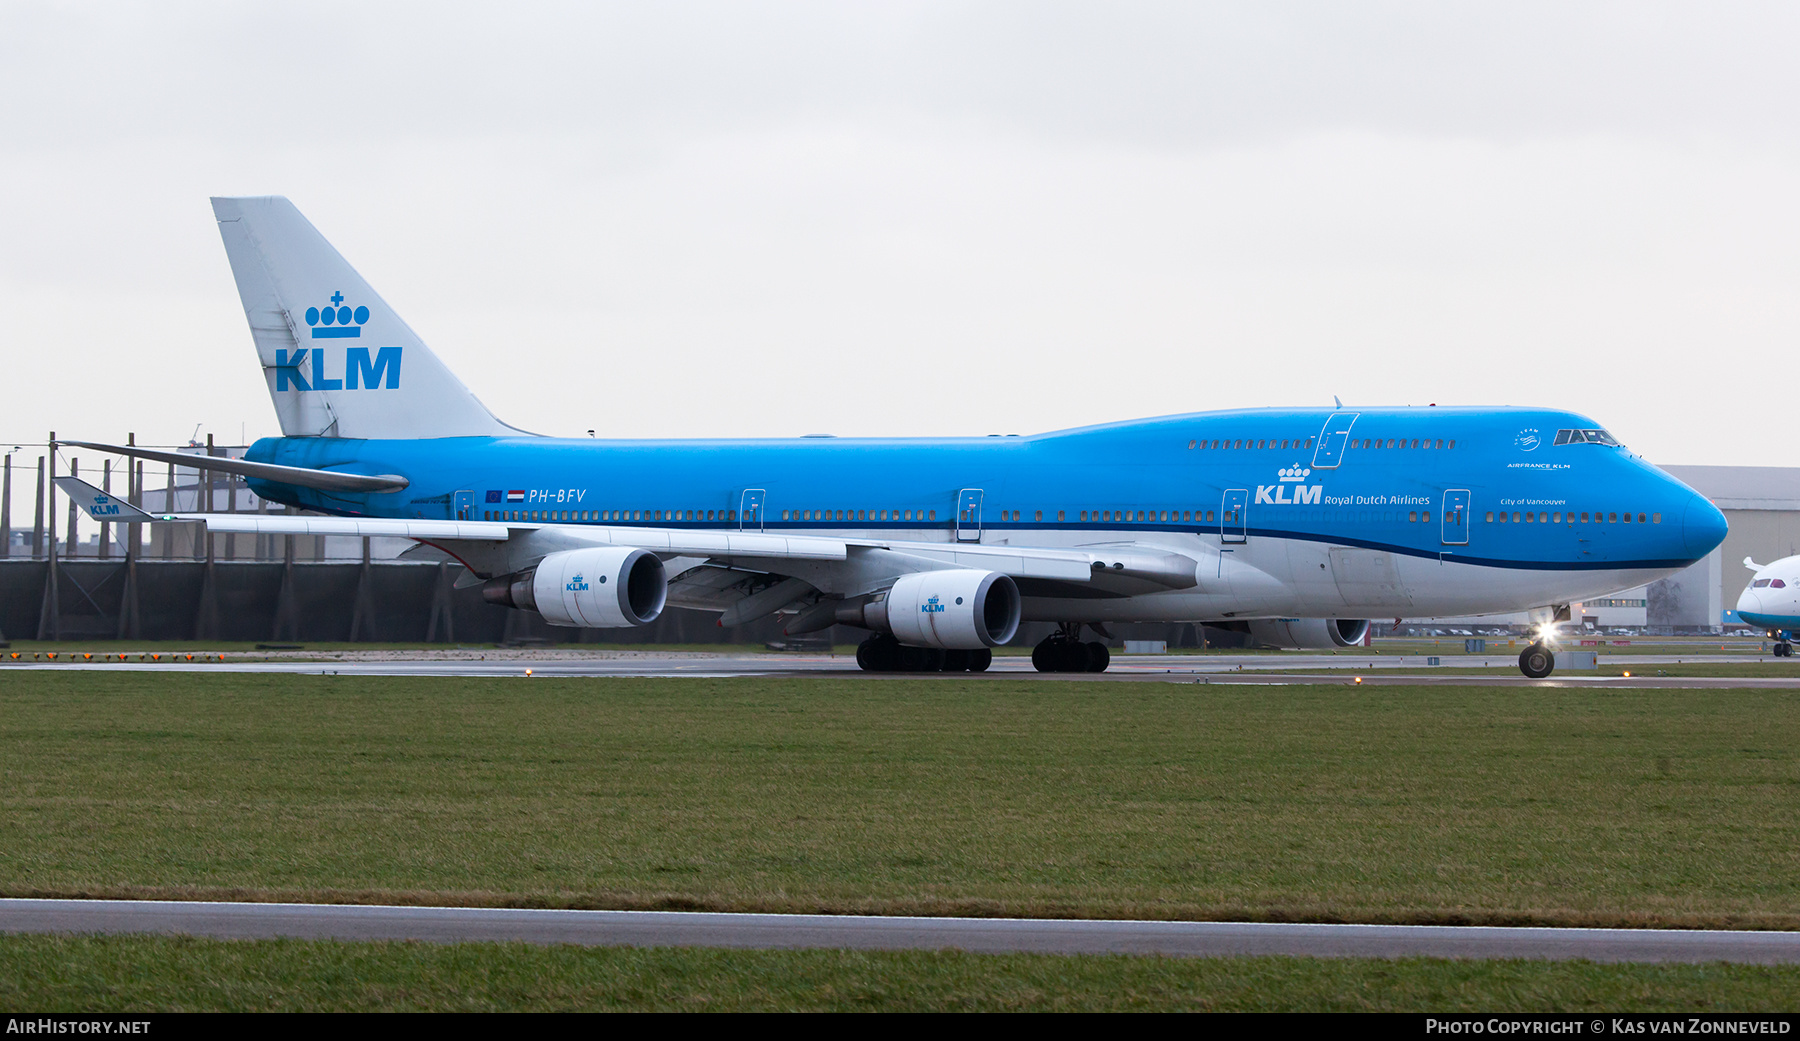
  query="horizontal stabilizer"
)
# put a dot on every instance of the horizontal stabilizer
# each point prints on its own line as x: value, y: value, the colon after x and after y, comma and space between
x: 299, y: 476
x: 102, y: 506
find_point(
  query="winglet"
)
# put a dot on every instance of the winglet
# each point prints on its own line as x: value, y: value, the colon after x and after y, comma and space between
x: 102, y: 506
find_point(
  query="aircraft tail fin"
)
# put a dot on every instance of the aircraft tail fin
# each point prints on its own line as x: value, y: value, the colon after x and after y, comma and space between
x: 101, y: 506
x: 339, y: 361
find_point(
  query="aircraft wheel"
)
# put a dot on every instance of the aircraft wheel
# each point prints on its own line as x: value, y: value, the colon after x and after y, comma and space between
x: 1098, y: 657
x: 980, y: 660
x: 919, y: 659
x: 956, y: 661
x: 1784, y: 650
x: 1058, y: 654
x: 878, y: 653
x: 1537, y: 661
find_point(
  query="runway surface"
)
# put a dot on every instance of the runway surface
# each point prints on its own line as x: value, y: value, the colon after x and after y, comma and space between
x: 985, y: 935
x: 1386, y: 670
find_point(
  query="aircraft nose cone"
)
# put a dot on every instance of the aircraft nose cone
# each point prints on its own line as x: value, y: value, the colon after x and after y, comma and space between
x: 1703, y: 527
x: 1749, y: 602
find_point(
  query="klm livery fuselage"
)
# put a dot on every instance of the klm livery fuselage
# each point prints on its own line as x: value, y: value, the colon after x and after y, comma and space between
x: 1295, y: 526
x: 1371, y: 512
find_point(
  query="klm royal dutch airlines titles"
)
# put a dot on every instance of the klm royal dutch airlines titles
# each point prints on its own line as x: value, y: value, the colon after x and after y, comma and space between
x: 1292, y: 525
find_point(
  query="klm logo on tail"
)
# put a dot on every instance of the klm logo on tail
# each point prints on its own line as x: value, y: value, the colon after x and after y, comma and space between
x: 359, y: 371
x: 334, y: 322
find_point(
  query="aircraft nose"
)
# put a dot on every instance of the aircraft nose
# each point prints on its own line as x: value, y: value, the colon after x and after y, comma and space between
x: 1703, y: 527
x: 1749, y: 602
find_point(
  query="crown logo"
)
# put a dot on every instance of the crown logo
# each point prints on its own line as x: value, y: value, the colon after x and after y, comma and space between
x: 1295, y: 473
x: 334, y: 322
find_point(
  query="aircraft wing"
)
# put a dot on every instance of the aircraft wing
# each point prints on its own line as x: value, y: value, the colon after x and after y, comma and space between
x: 499, y: 547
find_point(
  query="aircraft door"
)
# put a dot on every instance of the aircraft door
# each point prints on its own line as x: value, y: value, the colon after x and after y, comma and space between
x: 463, y: 508
x: 1455, y: 517
x: 1334, y: 437
x: 1232, y: 520
x: 968, y: 515
x: 750, y: 509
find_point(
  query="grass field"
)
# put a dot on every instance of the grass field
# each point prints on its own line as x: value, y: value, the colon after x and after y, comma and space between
x: 1467, y: 805
x: 179, y: 974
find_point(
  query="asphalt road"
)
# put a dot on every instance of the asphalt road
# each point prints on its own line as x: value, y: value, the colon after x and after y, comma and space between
x: 987, y: 935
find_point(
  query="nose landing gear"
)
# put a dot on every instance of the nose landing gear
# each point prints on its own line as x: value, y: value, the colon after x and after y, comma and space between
x: 1537, y: 661
x: 1783, y: 648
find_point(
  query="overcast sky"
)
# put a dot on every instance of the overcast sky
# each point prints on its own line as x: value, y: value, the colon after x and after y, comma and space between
x: 890, y: 218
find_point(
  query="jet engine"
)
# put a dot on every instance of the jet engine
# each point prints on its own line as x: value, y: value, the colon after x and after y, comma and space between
x: 960, y: 609
x: 1309, y: 633
x: 607, y: 587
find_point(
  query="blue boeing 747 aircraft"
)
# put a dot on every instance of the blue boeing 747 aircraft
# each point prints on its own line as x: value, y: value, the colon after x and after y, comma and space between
x: 1292, y: 525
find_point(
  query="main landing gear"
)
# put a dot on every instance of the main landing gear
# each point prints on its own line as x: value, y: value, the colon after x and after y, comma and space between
x: 1537, y: 661
x: 883, y: 653
x: 1063, y: 651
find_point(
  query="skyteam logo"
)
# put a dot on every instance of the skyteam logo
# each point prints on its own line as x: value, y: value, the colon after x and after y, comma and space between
x: 1290, y: 478
x: 1528, y: 439
x: 931, y: 606
x: 338, y: 321
x: 577, y: 585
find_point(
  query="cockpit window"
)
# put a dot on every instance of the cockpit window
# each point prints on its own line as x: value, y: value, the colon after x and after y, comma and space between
x: 1585, y: 437
x: 1776, y: 583
x: 1759, y: 583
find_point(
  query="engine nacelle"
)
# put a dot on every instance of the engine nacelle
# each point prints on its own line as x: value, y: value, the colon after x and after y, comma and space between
x: 955, y: 610
x: 1309, y: 633
x: 607, y: 587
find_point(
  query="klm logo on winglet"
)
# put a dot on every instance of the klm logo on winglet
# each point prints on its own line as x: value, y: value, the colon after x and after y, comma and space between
x: 104, y: 507
x: 335, y: 322
x: 1277, y: 494
x: 931, y: 607
x: 359, y: 371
